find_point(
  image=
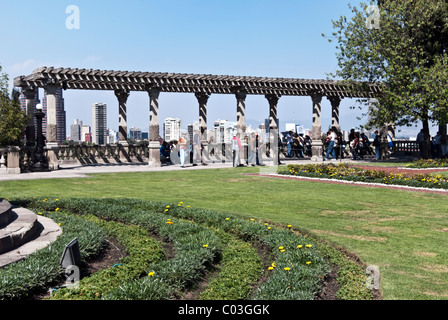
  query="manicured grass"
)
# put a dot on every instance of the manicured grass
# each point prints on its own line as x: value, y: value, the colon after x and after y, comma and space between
x: 402, y: 232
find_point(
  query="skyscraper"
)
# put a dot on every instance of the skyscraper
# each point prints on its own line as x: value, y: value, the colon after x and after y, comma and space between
x: 60, y: 116
x: 171, y: 129
x: 99, y: 123
x: 75, y: 131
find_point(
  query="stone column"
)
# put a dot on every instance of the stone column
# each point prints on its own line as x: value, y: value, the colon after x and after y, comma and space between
x: 335, y: 102
x: 316, y: 144
x: 154, y: 143
x: 30, y: 96
x: 51, y: 136
x: 273, y: 127
x: 241, y: 111
x: 122, y: 96
x: 202, y: 100
x: 241, y: 121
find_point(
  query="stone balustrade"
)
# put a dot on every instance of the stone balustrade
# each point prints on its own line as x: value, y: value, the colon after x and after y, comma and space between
x: 10, y: 160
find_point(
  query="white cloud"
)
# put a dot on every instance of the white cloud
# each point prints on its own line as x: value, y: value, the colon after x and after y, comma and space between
x: 23, y: 67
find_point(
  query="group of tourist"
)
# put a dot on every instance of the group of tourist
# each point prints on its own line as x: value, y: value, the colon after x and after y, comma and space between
x: 294, y: 145
x: 297, y: 145
x: 439, y: 144
x: 182, y: 152
x: 358, y: 145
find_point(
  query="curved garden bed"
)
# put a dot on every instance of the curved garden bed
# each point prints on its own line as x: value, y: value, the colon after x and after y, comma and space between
x: 295, y: 266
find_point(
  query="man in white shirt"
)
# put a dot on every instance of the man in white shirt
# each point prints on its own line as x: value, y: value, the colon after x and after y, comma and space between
x: 330, y: 149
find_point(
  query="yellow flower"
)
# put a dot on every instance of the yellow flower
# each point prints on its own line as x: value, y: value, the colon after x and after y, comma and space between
x: 39, y: 213
x: 227, y: 219
x: 308, y: 245
x: 57, y: 209
x: 269, y: 228
x: 252, y: 219
x: 59, y: 224
x: 287, y: 269
x: 308, y: 262
x: 280, y: 248
x: 299, y: 246
x: 205, y: 245
x: 283, y: 250
x: 57, y: 199
x: 151, y: 274
x: 273, y: 264
x: 271, y: 268
x: 188, y: 206
x: 289, y: 226
x: 167, y: 207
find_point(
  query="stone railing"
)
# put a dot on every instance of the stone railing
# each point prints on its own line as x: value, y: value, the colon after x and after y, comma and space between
x: 102, y: 154
x: 10, y: 160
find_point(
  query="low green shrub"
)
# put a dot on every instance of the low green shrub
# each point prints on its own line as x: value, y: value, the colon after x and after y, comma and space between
x: 201, y: 238
x: 41, y: 269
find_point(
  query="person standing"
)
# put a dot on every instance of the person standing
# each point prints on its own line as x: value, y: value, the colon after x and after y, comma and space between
x: 289, y: 142
x: 197, y: 149
x: 183, y: 148
x: 377, y: 145
x: 236, y: 149
x: 252, y: 149
x: 421, y: 141
x: 331, y: 144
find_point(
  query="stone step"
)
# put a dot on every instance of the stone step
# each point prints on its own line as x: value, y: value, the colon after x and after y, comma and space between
x: 48, y: 232
x: 22, y: 228
x: 5, y: 213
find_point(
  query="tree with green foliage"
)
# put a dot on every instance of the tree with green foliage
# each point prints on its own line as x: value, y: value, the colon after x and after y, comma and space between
x: 12, y: 119
x: 401, y: 46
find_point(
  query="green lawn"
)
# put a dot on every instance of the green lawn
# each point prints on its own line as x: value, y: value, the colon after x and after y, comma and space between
x: 404, y: 233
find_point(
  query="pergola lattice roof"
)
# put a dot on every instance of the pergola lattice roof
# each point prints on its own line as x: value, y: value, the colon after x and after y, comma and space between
x: 89, y: 79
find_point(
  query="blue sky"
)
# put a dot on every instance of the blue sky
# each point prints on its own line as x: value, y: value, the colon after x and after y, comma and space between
x: 246, y: 37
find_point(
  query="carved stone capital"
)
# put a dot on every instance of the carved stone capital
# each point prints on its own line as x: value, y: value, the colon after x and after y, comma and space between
x: 122, y: 95
x: 202, y: 97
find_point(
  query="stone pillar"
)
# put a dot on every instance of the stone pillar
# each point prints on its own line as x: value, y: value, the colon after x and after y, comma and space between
x: 316, y: 144
x: 51, y: 136
x: 122, y: 96
x: 154, y: 143
x: 335, y: 102
x: 241, y: 111
x: 51, y: 115
x: 30, y: 96
x: 241, y: 121
x: 202, y: 100
x: 273, y: 127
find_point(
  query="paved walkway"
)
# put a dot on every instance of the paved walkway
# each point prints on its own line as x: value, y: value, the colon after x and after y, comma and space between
x: 79, y: 171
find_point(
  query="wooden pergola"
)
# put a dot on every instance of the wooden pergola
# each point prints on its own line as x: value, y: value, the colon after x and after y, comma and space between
x: 202, y: 85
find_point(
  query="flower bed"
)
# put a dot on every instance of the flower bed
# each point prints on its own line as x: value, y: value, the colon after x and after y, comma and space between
x: 352, y: 173
x: 201, y: 239
x: 429, y: 163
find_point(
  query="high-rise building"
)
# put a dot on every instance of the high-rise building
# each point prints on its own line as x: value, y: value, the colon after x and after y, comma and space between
x: 22, y: 100
x: 224, y: 131
x: 112, y: 137
x: 191, y: 128
x: 75, y: 131
x: 171, y: 129
x: 60, y: 116
x: 99, y: 123
x: 135, y: 133
x: 86, y: 136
